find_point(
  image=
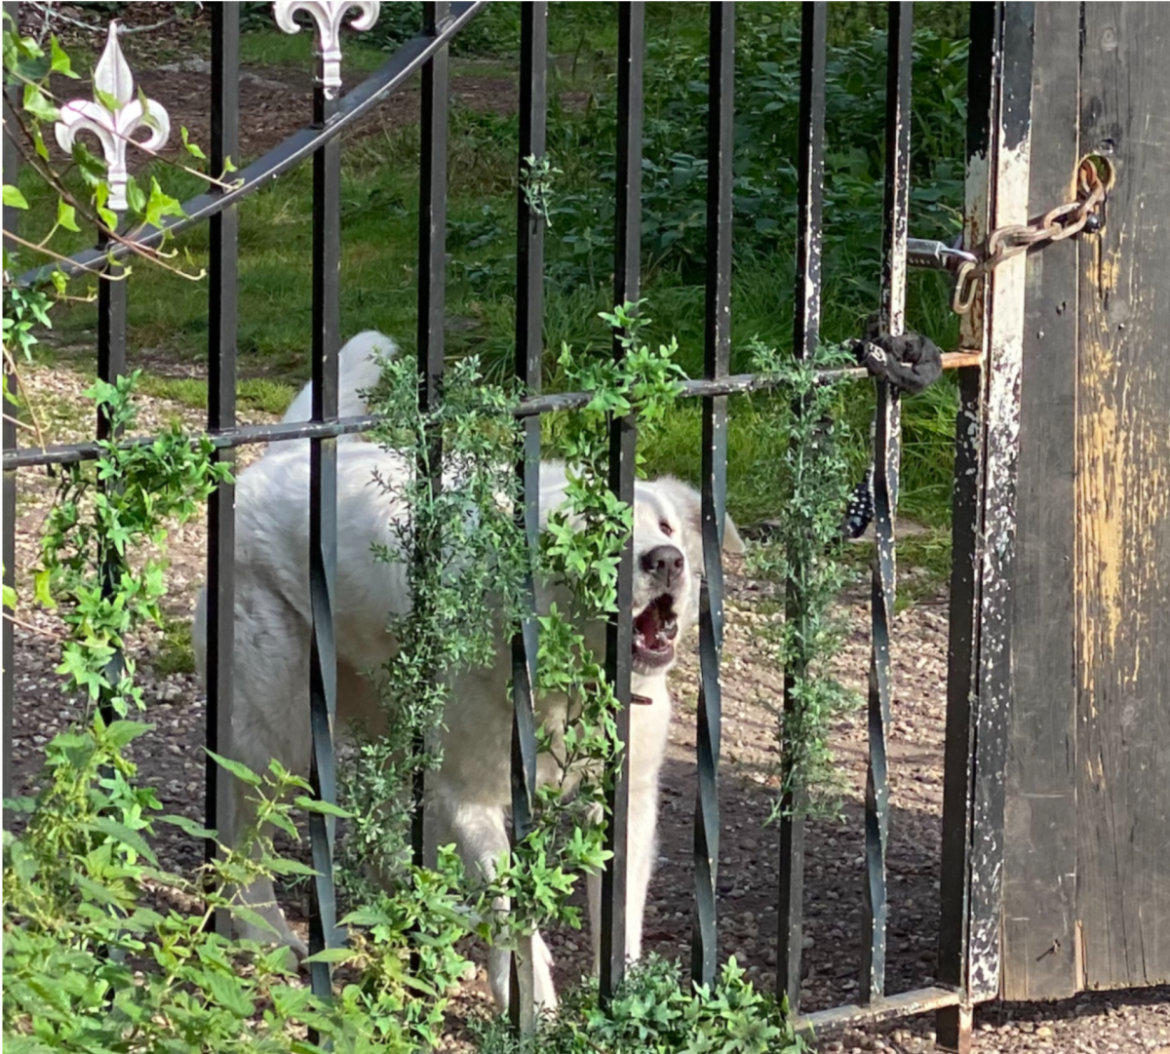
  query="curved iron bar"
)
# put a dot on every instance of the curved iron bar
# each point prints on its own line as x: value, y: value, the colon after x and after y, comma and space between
x: 298, y: 147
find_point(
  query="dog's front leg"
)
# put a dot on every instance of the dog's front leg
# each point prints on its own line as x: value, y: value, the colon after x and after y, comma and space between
x: 641, y: 848
x: 481, y: 835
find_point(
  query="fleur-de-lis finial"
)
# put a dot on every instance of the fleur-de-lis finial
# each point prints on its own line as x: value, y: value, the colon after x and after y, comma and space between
x: 328, y: 16
x: 114, y: 87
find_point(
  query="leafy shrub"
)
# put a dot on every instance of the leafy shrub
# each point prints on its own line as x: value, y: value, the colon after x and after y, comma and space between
x: 674, y: 170
x: 655, y: 1012
x: 94, y: 959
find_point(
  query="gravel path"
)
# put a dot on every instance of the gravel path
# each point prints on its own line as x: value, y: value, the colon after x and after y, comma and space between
x: 170, y: 759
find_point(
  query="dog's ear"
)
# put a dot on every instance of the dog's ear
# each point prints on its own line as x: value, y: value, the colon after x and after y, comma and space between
x: 689, y: 504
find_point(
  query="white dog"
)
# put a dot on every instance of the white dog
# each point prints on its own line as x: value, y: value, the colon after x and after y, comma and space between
x: 469, y: 796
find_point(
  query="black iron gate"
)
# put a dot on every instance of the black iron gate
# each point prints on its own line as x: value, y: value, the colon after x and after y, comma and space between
x: 1000, y: 131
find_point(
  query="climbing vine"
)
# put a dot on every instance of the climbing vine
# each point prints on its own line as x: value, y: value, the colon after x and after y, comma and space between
x: 810, y: 474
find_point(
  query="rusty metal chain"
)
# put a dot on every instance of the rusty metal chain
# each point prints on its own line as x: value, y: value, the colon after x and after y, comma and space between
x: 1059, y: 223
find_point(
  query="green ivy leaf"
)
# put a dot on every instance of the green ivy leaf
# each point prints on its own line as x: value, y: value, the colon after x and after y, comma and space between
x: 110, y: 102
x: 13, y: 198
x: 192, y: 148
x: 66, y: 217
x: 135, y: 196
x: 161, y: 205
x: 37, y: 103
x: 60, y: 61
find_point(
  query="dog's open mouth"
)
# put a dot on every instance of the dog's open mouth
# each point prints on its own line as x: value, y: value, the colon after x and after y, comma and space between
x: 654, y: 632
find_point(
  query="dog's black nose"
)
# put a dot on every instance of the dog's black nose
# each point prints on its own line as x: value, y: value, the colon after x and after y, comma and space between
x: 663, y: 563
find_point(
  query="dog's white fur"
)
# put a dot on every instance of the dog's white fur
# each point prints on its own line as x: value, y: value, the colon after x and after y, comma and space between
x: 469, y: 796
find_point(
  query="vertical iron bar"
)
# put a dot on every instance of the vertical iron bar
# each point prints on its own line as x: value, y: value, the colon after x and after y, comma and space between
x: 622, y: 443
x: 530, y: 223
x: 323, y: 528
x: 8, y: 656
x: 717, y: 358
x: 432, y: 247
x: 111, y: 364
x: 221, y: 410
x: 887, y: 450
x: 806, y: 332
x: 953, y: 1024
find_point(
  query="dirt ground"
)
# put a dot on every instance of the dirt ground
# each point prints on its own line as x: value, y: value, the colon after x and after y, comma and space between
x: 171, y: 756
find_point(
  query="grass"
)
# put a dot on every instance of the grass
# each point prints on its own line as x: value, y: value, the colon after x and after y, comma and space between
x: 271, y: 47
x: 924, y: 565
x: 256, y: 393
x: 380, y: 242
x: 175, y: 652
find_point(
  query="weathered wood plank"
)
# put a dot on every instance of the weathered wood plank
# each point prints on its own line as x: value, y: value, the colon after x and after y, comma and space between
x: 1123, y: 506
x: 1040, y: 840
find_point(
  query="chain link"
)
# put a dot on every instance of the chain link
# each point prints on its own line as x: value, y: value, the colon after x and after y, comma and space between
x: 1059, y: 223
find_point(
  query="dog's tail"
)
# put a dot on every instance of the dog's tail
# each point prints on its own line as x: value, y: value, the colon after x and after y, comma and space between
x: 358, y: 370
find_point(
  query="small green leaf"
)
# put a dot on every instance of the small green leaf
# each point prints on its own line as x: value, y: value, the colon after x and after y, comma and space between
x: 240, y: 771
x: 253, y: 918
x: 135, y: 196
x: 67, y: 216
x: 120, y: 734
x: 323, y: 807
x: 187, y: 826
x: 283, y: 866
x: 37, y: 103
x: 13, y: 199
x: 110, y: 102
x: 229, y: 992
x: 60, y: 61
x: 192, y: 148
x: 120, y: 832
x: 41, y: 584
x: 330, y: 955
x: 161, y: 205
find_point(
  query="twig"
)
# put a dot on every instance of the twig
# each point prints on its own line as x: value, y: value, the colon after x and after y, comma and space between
x: 47, y: 11
x: 148, y: 253
x: 57, y: 256
x: 28, y: 626
x: 10, y: 362
x: 25, y: 425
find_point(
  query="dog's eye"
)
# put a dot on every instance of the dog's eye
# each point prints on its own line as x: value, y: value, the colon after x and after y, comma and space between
x: 665, y: 528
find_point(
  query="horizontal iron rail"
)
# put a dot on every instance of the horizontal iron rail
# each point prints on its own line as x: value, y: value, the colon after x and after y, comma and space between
x: 298, y: 147
x: 918, y: 1001
x: 737, y: 384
